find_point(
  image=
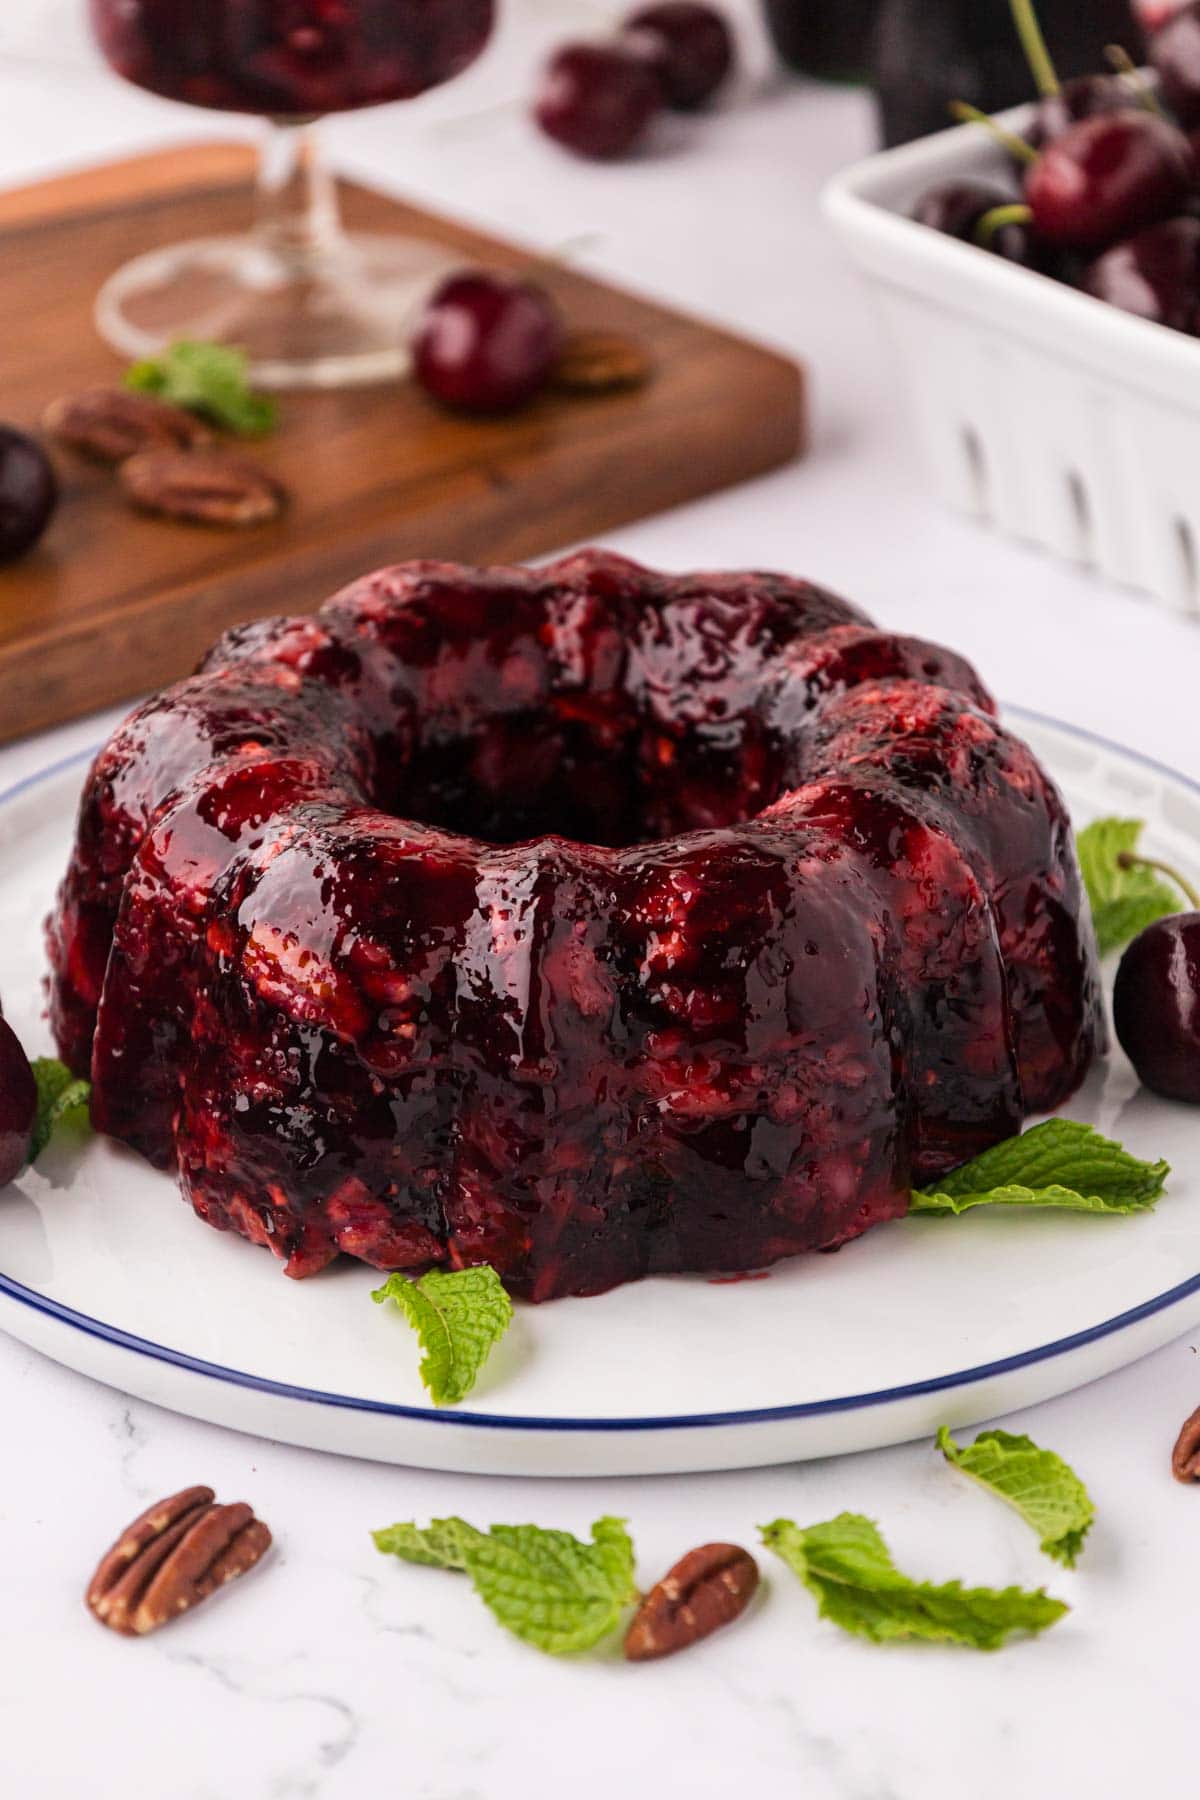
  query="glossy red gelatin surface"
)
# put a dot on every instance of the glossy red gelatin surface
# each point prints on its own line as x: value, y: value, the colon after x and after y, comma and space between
x: 290, y: 58
x: 585, y: 921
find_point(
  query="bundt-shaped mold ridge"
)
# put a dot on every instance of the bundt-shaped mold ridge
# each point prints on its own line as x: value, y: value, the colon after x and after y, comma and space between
x: 583, y: 920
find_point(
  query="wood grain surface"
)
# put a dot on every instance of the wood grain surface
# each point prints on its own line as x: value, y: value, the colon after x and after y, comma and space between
x: 112, y: 604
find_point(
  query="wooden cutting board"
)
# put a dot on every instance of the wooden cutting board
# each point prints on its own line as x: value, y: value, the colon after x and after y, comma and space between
x: 111, y: 604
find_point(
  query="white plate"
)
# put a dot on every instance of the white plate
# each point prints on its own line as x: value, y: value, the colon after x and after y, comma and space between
x: 920, y: 1322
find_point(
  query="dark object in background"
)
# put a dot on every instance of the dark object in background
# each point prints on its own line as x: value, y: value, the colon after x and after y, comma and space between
x: 833, y: 38
x: 930, y: 52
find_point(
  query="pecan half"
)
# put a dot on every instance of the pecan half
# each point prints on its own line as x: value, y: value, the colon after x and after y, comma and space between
x: 600, y: 362
x: 109, y: 424
x: 174, y: 1555
x: 706, y: 1589
x: 1185, y: 1458
x: 206, y: 487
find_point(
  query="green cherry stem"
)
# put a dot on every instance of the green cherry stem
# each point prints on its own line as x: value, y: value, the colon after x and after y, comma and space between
x: 1126, y: 859
x: 1120, y: 59
x: 1016, y: 146
x: 1041, y: 67
x: 1015, y: 213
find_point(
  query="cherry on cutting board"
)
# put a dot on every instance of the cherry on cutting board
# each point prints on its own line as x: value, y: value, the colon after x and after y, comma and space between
x: 597, y: 99
x: 1175, y: 54
x: 689, y: 46
x: 1108, y: 177
x: 1156, y: 1006
x: 485, y: 342
x: 1155, y: 274
x: 18, y: 1105
x: 28, y: 492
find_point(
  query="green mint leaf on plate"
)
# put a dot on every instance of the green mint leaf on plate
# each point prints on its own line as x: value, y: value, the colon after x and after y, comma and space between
x: 439, y: 1545
x: 209, y: 379
x: 548, y: 1588
x: 1123, y: 901
x: 847, y: 1566
x: 1043, y: 1488
x: 61, y: 1098
x: 457, y: 1315
x: 1059, y: 1164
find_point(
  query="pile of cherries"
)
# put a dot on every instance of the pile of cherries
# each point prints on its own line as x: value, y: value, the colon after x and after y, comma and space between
x: 599, y: 99
x: 1110, y: 189
x: 18, y: 1104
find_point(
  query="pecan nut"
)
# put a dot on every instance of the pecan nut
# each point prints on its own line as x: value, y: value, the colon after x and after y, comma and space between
x: 600, y: 362
x: 174, y: 1555
x: 109, y: 424
x: 206, y: 487
x: 1185, y: 1458
x: 706, y: 1589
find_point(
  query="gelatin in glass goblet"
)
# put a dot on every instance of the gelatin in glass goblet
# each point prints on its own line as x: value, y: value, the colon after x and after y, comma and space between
x: 313, y: 304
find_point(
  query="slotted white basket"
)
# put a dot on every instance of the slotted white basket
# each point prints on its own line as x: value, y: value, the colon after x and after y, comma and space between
x: 1050, y: 414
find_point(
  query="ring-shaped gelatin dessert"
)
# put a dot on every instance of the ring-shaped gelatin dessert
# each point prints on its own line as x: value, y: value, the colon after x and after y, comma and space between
x: 582, y: 920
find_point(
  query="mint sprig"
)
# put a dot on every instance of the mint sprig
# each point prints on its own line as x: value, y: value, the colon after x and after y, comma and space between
x: 548, y: 1588
x: 61, y: 1098
x: 1058, y: 1164
x: 1043, y: 1488
x: 458, y: 1316
x: 847, y: 1566
x: 211, y: 380
x: 1123, y: 900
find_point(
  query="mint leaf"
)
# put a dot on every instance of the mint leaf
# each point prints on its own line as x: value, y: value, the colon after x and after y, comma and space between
x: 1123, y: 901
x: 439, y: 1545
x: 1061, y: 1163
x: 1043, y: 1488
x: 60, y: 1096
x: 457, y: 1316
x: 847, y: 1566
x: 547, y: 1587
x: 209, y: 379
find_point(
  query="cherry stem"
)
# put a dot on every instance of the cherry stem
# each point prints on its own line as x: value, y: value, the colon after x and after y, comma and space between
x: 1015, y: 213
x: 1016, y: 146
x: 1041, y: 66
x: 1123, y: 63
x: 1127, y: 860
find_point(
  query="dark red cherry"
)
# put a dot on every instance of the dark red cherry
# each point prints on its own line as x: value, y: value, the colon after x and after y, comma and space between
x: 485, y: 342
x: 1108, y: 177
x: 18, y: 1105
x: 958, y: 208
x: 1156, y: 1006
x: 1175, y: 54
x: 1155, y: 274
x: 1084, y: 97
x: 28, y: 492
x: 689, y: 47
x: 597, y: 99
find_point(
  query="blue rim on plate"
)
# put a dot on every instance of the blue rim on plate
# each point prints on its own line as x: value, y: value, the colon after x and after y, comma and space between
x: 112, y: 1334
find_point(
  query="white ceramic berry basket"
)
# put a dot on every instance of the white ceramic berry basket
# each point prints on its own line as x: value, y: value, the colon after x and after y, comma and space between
x: 1050, y: 414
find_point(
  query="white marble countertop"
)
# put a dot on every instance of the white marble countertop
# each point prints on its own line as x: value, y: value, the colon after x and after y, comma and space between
x: 335, y: 1675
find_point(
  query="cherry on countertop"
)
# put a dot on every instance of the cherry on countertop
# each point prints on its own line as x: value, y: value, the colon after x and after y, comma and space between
x: 28, y: 492
x: 486, y: 343
x: 1108, y: 177
x: 1156, y: 1006
x: 597, y: 99
x: 689, y: 46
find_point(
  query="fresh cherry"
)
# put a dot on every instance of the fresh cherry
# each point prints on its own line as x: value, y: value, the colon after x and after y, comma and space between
x: 1084, y: 97
x: 18, y: 1105
x: 28, y: 492
x: 689, y: 47
x: 597, y: 99
x: 1108, y: 177
x: 960, y: 209
x: 1175, y: 54
x: 1155, y: 274
x: 486, y: 342
x: 1156, y: 1006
